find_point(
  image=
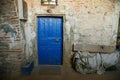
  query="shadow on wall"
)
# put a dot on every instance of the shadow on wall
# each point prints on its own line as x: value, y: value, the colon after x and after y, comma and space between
x: 3, y: 66
x: 116, y: 0
x: 25, y: 9
x: 25, y: 15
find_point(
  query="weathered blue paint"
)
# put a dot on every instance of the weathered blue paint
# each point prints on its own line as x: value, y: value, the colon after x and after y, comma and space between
x: 50, y: 40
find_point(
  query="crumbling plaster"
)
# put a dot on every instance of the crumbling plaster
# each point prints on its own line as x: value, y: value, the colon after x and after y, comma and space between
x: 92, y: 22
x: 11, y: 39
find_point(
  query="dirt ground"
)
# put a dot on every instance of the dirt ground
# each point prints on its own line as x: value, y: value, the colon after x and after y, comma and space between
x: 69, y: 74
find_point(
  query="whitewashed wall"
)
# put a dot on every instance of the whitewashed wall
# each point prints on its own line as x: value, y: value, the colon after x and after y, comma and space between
x: 86, y: 21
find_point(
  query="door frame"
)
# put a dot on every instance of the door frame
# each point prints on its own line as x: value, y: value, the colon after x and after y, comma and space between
x: 63, y: 40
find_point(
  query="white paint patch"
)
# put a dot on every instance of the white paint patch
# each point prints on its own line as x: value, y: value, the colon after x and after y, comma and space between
x: 86, y: 62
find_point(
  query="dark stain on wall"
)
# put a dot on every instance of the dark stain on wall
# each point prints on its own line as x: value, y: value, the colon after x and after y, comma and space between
x: 25, y: 9
x: 10, y: 60
x: 4, y: 45
x: 7, y: 28
x: 3, y: 66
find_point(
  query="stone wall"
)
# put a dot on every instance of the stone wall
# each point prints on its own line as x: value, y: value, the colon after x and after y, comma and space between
x: 92, y: 22
x: 88, y: 20
x: 11, y: 39
x: 10, y: 64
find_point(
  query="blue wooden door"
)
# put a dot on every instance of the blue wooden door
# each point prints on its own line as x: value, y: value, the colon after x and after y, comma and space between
x: 50, y: 40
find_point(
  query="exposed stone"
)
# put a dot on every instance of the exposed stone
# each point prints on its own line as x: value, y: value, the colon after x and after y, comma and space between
x: 10, y: 63
x: 85, y: 21
x: 93, y: 22
x: 11, y: 50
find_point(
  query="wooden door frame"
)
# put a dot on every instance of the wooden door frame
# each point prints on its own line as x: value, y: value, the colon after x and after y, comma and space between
x: 63, y: 42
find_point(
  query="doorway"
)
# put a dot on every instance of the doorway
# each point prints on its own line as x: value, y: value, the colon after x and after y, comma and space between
x: 50, y: 40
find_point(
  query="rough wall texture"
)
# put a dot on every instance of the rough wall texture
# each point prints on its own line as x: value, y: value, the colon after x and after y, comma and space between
x: 92, y: 22
x: 11, y: 39
x: 88, y: 20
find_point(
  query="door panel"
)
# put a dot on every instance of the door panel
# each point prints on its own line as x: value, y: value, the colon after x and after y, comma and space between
x: 50, y: 40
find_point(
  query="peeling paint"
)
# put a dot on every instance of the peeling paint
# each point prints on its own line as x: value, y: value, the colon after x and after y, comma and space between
x: 87, y: 22
x: 7, y: 28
